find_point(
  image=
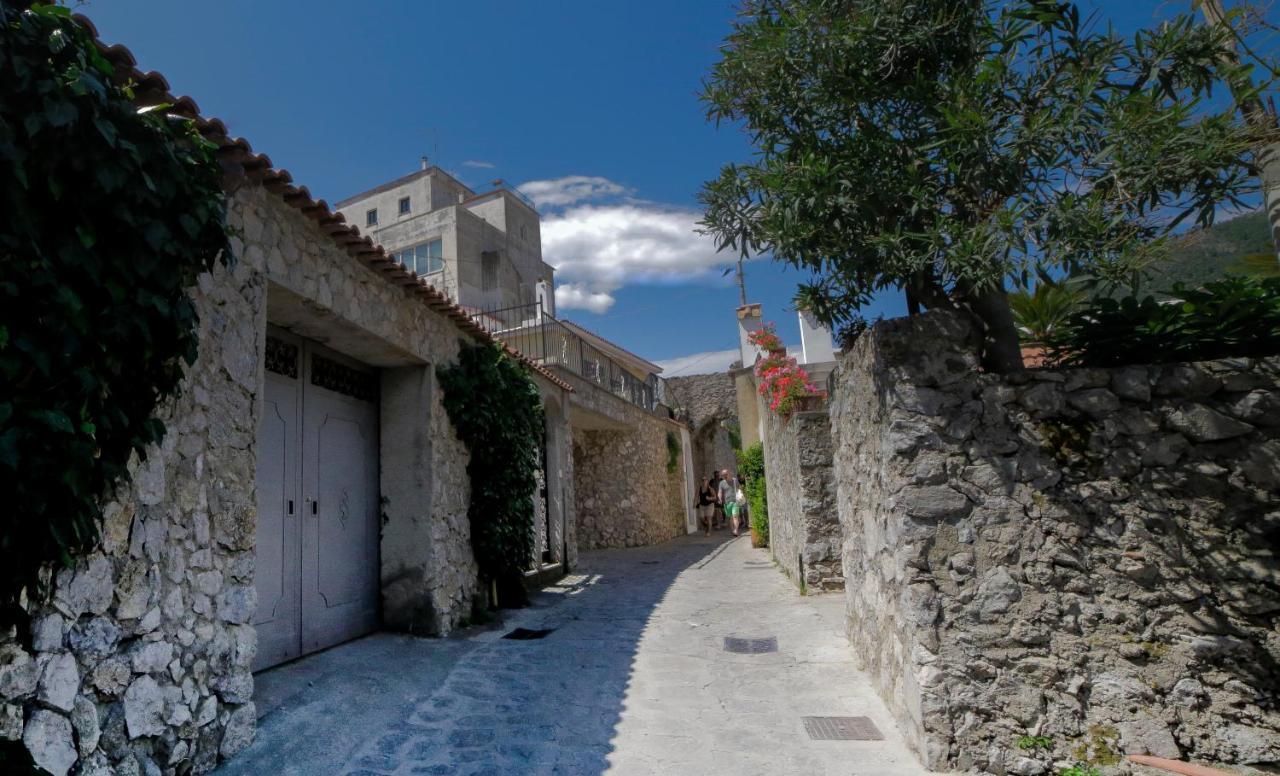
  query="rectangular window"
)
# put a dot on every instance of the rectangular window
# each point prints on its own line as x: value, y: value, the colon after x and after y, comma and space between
x: 423, y: 258
x: 488, y: 271
x: 371, y: 217
x: 404, y: 206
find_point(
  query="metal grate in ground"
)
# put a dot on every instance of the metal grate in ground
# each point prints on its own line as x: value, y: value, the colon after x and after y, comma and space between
x: 528, y: 634
x: 750, y: 646
x: 842, y: 729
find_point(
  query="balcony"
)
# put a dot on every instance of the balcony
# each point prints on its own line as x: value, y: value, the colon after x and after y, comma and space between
x: 538, y: 335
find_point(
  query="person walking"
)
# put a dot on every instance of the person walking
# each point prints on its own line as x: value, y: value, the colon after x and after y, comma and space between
x: 717, y: 508
x: 728, y: 497
x: 706, y: 500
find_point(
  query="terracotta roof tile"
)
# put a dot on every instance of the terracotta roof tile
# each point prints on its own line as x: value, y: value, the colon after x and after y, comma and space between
x: 152, y: 88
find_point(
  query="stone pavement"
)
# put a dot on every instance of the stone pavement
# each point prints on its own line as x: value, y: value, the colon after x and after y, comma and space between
x: 634, y: 679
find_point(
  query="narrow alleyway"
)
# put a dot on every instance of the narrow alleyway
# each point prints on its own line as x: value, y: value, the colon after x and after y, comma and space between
x: 633, y: 678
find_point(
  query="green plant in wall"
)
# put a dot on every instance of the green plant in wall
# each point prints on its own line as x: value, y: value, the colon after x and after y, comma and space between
x: 751, y: 470
x: 673, y: 453
x: 1031, y: 743
x: 497, y: 411
x: 110, y: 214
x: 735, y: 434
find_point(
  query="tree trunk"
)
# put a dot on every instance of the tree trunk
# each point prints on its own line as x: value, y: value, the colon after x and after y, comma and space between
x: 1267, y: 156
x: 1001, y: 351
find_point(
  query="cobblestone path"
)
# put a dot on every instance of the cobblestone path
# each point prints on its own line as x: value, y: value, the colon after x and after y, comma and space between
x: 632, y: 679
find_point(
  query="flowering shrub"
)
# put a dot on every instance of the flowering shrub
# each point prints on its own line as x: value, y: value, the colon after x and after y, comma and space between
x: 783, y: 381
x: 766, y: 339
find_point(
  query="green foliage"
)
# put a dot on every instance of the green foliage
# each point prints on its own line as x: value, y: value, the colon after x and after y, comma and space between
x: 1040, y: 313
x: 1258, y: 265
x: 1080, y: 769
x: 1034, y: 742
x: 109, y: 216
x: 673, y: 452
x: 1204, y: 255
x: 751, y: 471
x: 945, y: 147
x: 735, y: 434
x: 497, y: 411
x: 1237, y: 316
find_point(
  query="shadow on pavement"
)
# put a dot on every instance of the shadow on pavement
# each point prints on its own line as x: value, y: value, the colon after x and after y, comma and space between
x: 480, y: 704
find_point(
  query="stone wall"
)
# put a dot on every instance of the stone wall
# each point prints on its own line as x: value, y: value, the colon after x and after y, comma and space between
x: 625, y: 495
x: 804, y: 527
x: 139, y: 659
x: 708, y: 402
x: 1084, y: 554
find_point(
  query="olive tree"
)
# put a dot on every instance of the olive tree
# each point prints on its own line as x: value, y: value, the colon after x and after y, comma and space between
x: 945, y: 148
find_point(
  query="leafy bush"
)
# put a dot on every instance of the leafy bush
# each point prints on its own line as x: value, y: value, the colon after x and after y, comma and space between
x: 1237, y: 316
x: 751, y: 471
x: 497, y: 411
x: 110, y: 214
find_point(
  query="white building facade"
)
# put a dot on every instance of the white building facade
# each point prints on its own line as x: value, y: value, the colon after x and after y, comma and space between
x: 483, y: 250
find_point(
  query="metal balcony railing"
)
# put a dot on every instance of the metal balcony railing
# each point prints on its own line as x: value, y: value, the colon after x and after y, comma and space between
x: 538, y: 335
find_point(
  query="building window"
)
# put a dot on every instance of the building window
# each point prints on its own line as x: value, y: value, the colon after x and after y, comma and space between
x: 404, y: 206
x: 488, y: 271
x: 423, y: 258
x: 371, y: 217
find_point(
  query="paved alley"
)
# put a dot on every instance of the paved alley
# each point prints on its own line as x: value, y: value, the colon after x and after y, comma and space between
x: 632, y: 679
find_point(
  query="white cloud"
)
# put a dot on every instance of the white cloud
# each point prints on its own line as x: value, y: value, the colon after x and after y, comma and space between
x: 571, y: 296
x: 570, y: 190
x: 478, y: 163
x: 706, y: 363
x: 601, y: 248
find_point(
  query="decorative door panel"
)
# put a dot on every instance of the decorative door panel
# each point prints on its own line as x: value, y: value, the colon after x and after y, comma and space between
x: 317, y: 535
x: 277, y: 560
x: 340, y: 532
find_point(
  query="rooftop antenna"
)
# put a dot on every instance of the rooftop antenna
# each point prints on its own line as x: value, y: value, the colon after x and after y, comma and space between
x: 742, y: 284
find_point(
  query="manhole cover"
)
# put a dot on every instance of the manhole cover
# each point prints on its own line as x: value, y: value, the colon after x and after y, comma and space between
x: 842, y: 729
x: 527, y: 634
x: 750, y: 646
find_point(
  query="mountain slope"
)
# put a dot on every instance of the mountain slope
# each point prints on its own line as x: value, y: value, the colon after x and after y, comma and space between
x: 1205, y: 254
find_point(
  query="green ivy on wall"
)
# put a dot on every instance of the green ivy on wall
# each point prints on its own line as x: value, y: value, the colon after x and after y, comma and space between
x: 751, y: 470
x: 497, y: 411
x: 109, y: 216
x: 673, y: 452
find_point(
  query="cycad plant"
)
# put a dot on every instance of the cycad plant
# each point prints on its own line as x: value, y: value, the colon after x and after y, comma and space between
x: 1043, y: 311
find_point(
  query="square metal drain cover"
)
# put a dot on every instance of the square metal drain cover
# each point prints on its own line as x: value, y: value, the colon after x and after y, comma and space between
x: 842, y: 729
x: 526, y: 634
x: 750, y: 646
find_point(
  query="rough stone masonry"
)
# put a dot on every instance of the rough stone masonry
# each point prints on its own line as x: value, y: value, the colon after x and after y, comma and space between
x: 1087, y: 555
x: 139, y: 657
x: 804, y: 526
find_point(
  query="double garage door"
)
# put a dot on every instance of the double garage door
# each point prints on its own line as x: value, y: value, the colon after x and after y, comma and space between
x: 317, y: 536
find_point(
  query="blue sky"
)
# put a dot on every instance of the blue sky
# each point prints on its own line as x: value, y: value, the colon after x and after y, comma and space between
x: 586, y: 98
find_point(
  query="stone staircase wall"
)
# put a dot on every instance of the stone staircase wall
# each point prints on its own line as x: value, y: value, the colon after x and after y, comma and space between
x: 1087, y: 555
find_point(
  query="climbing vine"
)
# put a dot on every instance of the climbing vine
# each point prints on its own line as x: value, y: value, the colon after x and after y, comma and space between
x: 673, y: 452
x: 110, y: 214
x: 497, y: 411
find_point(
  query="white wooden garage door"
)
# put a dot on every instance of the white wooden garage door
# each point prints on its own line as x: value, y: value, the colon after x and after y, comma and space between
x: 317, y: 536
